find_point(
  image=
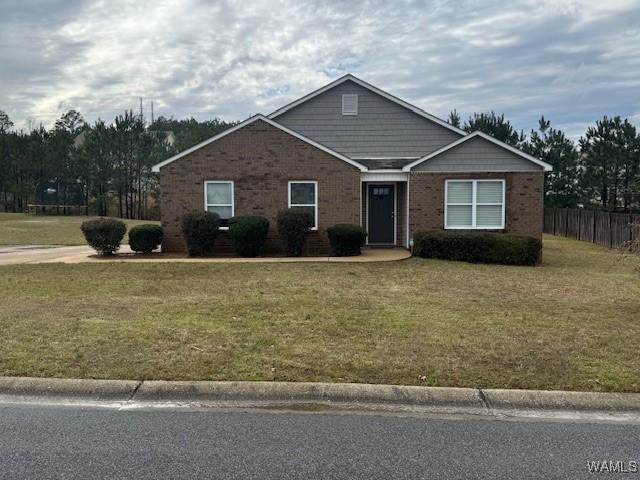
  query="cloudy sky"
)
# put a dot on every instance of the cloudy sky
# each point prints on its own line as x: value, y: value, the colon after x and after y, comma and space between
x: 572, y: 61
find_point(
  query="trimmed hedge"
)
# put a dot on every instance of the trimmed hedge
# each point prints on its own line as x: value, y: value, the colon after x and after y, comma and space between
x: 104, y: 234
x: 293, y: 226
x: 249, y: 234
x: 145, y: 238
x: 478, y: 247
x: 346, y: 239
x: 200, y: 230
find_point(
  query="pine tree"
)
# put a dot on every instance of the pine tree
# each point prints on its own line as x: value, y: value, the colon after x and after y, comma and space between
x: 553, y: 147
x: 496, y: 126
x: 610, y: 164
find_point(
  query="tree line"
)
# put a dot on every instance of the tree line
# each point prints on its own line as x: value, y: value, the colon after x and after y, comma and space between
x: 601, y: 170
x: 106, y: 167
x: 103, y: 167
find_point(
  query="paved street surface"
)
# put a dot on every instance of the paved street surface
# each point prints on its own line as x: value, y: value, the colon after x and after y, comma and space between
x: 74, y: 442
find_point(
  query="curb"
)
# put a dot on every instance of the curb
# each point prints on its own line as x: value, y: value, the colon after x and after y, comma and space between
x: 68, y: 387
x: 350, y: 395
x: 561, y: 400
x: 306, y: 394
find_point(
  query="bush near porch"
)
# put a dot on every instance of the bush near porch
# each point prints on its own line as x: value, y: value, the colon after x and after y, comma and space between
x: 478, y: 247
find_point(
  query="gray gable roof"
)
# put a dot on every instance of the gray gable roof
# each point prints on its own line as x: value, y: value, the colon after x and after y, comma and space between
x: 385, y: 126
x: 477, y: 152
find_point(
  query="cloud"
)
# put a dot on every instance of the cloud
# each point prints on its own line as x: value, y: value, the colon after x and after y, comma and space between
x: 571, y: 61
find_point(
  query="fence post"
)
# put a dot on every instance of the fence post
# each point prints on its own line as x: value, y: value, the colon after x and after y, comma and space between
x: 610, y: 231
x: 630, y: 227
x: 593, y: 233
x: 554, y: 220
x: 566, y: 222
x: 579, y: 224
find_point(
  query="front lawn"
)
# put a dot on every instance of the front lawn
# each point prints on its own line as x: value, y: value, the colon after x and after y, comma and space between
x: 573, y: 323
x: 22, y: 229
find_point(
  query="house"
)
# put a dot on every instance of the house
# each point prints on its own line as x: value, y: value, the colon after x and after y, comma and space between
x: 352, y: 153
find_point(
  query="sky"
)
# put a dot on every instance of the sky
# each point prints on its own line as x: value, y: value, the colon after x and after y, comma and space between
x: 573, y: 61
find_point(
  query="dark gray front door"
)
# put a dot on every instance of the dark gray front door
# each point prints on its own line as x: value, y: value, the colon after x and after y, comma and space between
x: 381, y: 213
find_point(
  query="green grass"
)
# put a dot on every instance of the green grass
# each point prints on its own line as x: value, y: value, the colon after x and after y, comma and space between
x: 22, y: 229
x: 572, y: 323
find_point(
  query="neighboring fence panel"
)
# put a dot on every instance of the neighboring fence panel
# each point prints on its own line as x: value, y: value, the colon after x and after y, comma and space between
x: 549, y: 219
x: 620, y: 228
x: 587, y: 222
x: 603, y: 228
x: 573, y: 223
x: 603, y: 231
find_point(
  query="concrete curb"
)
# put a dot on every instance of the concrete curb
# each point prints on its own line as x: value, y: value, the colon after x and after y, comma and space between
x: 304, y: 395
x: 113, y: 390
x: 329, y: 394
x: 559, y: 400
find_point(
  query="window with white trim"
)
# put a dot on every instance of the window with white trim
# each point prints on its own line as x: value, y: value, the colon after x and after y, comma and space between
x: 303, y: 194
x: 350, y: 104
x: 218, y: 198
x: 474, y: 204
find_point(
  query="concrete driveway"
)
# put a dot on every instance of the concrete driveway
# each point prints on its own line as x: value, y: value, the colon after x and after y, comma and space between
x: 31, y: 254
x: 23, y: 254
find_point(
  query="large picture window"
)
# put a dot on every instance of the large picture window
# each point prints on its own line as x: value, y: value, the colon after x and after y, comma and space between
x: 304, y: 195
x: 474, y: 204
x: 218, y: 198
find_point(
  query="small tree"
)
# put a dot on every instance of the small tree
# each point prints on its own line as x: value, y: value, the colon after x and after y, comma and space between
x: 293, y: 226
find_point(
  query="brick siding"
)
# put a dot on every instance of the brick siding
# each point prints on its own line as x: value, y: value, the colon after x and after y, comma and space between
x: 260, y: 159
x: 524, y: 200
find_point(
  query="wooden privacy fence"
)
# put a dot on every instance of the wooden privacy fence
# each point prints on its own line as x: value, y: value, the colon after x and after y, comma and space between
x: 603, y: 228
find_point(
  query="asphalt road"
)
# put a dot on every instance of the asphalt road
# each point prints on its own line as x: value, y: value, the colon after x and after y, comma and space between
x: 73, y: 442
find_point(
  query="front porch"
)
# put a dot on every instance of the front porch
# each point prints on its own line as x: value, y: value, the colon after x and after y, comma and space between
x: 384, y: 210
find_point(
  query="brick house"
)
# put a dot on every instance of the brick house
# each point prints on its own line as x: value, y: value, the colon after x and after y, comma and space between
x: 352, y: 153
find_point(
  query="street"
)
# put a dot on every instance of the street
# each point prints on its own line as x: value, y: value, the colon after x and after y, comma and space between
x: 87, y: 442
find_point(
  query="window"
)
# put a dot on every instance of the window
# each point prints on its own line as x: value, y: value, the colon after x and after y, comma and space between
x: 474, y: 204
x: 350, y: 104
x: 218, y: 198
x: 304, y: 195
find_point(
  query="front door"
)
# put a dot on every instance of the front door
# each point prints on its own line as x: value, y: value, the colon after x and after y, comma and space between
x: 381, y: 214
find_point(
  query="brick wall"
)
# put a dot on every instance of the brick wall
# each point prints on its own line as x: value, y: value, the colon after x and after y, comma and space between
x: 524, y: 200
x: 261, y: 160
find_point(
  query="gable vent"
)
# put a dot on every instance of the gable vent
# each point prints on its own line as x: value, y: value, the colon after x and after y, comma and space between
x: 350, y: 104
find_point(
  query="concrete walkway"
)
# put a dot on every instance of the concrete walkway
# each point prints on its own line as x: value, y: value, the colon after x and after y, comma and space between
x: 33, y: 254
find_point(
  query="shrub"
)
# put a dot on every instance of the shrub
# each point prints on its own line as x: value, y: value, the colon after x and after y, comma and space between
x: 346, y: 239
x: 293, y: 226
x: 478, y: 247
x: 249, y: 234
x: 145, y: 238
x: 200, y: 230
x: 104, y: 234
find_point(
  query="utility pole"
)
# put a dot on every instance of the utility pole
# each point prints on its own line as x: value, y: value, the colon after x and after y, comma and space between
x: 151, y: 112
x: 141, y: 118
